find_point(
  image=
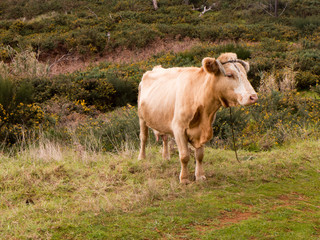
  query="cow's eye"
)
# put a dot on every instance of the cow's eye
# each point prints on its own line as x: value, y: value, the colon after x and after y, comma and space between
x: 229, y: 75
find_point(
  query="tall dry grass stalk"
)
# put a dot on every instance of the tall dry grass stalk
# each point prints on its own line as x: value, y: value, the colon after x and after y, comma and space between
x: 23, y: 64
x: 46, y: 151
x: 288, y: 82
x: 270, y: 83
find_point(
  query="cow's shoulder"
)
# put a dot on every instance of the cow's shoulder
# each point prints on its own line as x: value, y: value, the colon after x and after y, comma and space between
x: 159, y: 75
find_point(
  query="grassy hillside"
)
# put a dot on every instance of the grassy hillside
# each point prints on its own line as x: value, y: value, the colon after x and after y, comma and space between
x: 54, y: 192
x: 68, y: 142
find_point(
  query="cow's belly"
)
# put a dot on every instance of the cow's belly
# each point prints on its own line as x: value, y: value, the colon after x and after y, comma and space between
x: 156, y: 104
x: 156, y: 116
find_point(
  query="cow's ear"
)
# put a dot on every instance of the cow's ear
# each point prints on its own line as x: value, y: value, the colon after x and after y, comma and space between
x: 246, y: 66
x: 210, y: 65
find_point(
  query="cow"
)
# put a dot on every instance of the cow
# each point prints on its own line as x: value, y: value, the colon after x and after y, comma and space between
x: 183, y: 101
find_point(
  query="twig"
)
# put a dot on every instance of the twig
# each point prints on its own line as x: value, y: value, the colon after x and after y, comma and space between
x: 268, y: 12
x: 155, y: 4
x: 59, y: 60
x: 205, y: 9
x: 234, y: 141
x: 283, y: 9
x: 92, y: 12
x: 273, y: 15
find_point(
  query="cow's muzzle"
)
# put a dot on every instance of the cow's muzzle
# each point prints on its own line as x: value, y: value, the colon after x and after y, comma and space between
x: 253, y: 98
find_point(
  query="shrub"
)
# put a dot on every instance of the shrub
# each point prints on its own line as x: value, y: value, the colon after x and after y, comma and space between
x: 115, y: 133
x: 125, y: 91
x: 308, y: 60
x: 277, y: 118
x: 132, y: 36
x: 306, y: 25
x: 96, y: 92
x: 316, y: 89
x: 12, y: 93
x: 89, y: 40
x: 183, y: 30
x: 17, y: 112
x: 209, y: 33
x: 306, y: 79
x: 241, y: 51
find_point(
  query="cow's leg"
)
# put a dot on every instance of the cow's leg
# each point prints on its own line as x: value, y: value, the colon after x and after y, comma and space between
x: 165, y: 150
x: 199, y: 170
x: 182, y: 143
x: 143, y: 138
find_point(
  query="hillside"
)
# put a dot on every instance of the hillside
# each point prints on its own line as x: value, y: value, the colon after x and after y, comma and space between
x: 98, y: 28
x: 69, y: 129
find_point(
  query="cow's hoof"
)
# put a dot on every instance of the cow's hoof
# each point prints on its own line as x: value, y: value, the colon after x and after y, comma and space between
x: 185, y: 181
x: 201, y: 178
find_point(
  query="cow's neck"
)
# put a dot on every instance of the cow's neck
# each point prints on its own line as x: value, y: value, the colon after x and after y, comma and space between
x: 210, y: 98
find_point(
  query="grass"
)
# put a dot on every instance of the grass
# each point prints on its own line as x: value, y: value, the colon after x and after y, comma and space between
x: 310, y: 94
x: 54, y: 192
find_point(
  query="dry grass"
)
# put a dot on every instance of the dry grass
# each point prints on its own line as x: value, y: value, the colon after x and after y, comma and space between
x: 273, y: 81
x: 288, y: 82
x: 268, y: 83
x: 46, y: 151
x: 23, y: 64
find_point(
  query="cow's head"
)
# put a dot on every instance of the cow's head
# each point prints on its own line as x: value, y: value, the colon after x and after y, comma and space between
x: 231, y: 82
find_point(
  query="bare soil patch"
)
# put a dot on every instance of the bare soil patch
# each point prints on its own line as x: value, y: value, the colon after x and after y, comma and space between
x: 227, y: 218
x: 234, y: 217
x: 72, y: 63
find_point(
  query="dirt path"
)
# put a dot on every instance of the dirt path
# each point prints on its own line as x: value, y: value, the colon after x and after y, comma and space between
x: 73, y: 63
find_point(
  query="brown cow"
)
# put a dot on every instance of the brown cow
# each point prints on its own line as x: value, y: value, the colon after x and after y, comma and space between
x: 183, y: 102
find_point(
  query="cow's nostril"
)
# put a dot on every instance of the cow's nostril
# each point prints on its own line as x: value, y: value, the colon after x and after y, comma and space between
x: 254, y: 97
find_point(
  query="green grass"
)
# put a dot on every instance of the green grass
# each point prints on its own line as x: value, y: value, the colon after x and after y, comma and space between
x: 51, y: 192
x: 310, y: 94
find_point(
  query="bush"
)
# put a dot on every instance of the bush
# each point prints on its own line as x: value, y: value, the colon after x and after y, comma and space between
x: 307, y: 25
x: 306, y: 79
x: 241, y: 51
x: 275, y: 119
x: 209, y: 33
x: 23, y: 64
x: 309, y: 60
x: 89, y: 40
x: 132, y: 36
x: 115, y: 133
x: 96, y: 92
x: 17, y: 112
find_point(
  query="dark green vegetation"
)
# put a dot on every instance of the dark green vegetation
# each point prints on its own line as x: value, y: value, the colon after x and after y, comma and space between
x: 75, y: 107
x: 83, y: 26
x: 53, y: 192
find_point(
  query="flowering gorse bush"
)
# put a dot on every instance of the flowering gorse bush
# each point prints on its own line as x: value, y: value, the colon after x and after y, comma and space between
x: 276, y: 118
x: 24, y: 120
